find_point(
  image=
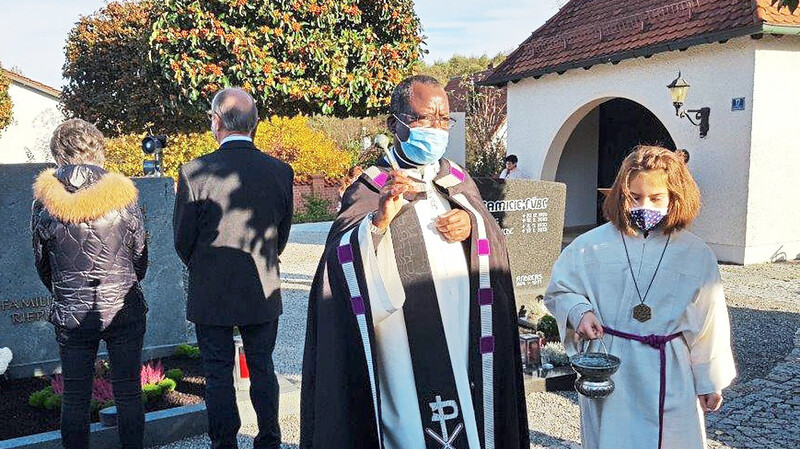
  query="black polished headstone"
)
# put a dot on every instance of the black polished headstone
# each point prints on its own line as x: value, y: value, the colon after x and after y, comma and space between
x: 531, y: 215
x: 25, y: 302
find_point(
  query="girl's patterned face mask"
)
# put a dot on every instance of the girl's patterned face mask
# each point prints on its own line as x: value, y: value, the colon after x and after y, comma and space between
x: 646, y: 219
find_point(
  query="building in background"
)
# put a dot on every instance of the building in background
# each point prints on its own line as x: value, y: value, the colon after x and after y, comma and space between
x: 591, y: 84
x: 35, y: 114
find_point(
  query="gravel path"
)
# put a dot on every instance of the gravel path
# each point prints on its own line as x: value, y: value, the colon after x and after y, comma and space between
x: 764, y: 303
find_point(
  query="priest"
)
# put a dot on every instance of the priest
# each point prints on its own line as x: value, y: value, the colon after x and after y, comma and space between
x: 411, y: 339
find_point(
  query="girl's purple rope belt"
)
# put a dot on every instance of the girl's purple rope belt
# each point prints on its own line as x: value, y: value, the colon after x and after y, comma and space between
x: 658, y: 342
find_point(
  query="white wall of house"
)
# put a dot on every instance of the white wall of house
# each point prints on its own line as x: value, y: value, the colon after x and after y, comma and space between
x: 35, y: 116
x: 543, y: 113
x: 773, y: 222
x: 578, y: 170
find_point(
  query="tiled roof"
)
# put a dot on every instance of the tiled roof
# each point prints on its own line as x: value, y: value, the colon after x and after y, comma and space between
x: 587, y: 32
x: 25, y: 81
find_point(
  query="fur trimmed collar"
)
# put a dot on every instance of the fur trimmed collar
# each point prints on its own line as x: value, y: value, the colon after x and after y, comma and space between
x: 112, y: 192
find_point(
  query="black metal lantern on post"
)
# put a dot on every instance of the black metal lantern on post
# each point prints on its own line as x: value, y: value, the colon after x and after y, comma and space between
x: 530, y: 346
x: 678, y: 90
x: 152, y: 146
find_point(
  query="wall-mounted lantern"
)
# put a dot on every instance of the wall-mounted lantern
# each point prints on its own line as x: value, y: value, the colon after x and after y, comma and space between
x: 678, y: 90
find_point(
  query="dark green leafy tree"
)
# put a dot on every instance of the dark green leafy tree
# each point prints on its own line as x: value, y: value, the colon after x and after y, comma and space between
x: 111, y: 80
x: 309, y: 56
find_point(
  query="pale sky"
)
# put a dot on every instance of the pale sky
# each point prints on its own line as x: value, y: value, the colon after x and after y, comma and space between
x: 33, y: 32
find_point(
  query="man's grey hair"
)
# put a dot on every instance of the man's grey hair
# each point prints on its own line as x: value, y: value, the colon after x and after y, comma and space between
x: 401, y: 98
x: 77, y: 142
x: 237, y: 110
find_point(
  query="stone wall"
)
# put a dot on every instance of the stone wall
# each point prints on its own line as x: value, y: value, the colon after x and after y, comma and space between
x: 316, y: 186
x: 25, y: 302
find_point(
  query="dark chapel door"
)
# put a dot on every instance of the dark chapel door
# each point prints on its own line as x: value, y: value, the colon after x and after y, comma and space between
x: 624, y: 124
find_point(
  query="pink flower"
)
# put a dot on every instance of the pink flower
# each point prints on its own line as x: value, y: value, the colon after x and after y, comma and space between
x: 152, y: 373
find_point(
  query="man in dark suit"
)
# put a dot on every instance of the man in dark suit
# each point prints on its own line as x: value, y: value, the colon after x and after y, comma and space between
x: 233, y: 211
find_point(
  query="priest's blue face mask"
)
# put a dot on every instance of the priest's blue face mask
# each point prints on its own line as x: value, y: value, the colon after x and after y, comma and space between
x: 424, y: 145
x: 646, y: 218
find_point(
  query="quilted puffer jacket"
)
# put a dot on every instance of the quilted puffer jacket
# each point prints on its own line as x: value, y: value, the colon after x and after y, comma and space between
x: 89, y: 244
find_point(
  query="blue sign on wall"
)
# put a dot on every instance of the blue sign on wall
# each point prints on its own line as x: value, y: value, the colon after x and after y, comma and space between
x: 737, y: 104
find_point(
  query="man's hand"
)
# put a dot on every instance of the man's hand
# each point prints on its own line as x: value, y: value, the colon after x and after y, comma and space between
x: 391, y: 200
x: 589, y: 328
x: 710, y: 402
x: 455, y: 225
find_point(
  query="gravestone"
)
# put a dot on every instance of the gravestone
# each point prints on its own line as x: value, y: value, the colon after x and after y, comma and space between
x: 531, y: 216
x: 25, y: 302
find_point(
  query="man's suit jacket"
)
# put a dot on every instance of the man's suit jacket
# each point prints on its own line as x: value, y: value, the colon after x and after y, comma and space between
x: 233, y: 212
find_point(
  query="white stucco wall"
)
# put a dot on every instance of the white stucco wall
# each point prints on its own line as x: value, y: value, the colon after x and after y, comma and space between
x: 543, y: 113
x: 35, y: 116
x: 773, y: 223
x: 578, y: 170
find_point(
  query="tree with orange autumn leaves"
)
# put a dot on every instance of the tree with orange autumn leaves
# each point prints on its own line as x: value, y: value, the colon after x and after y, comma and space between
x: 153, y: 65
x: 5, y: 102
x: 296, y: 56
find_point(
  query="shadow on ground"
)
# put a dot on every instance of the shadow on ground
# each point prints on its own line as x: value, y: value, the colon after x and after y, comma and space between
x: 761, y: 339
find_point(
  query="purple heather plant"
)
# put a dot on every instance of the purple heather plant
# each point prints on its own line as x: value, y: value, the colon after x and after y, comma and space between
x: 152, y: 373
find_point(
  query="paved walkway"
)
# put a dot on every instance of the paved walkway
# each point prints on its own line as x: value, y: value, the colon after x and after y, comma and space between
x: 762, y: 413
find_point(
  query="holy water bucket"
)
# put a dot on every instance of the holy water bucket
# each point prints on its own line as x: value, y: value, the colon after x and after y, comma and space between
x: 594, y: 371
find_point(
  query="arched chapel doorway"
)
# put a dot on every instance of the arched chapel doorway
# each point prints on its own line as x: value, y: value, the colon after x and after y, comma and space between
x: 594, y: 151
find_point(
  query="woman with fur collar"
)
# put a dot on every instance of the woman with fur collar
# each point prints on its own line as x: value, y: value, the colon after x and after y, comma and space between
x: 90, y: 250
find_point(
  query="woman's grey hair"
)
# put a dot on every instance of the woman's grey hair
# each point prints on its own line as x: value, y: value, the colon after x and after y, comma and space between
x: 236, y: 109
x: 77, y: 142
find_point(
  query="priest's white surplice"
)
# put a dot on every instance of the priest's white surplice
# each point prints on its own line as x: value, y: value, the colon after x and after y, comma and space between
x: 686, y: 297
x: 400, y: 415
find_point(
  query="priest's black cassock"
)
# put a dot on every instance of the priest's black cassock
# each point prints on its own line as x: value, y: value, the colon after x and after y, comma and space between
x: 341, y: 392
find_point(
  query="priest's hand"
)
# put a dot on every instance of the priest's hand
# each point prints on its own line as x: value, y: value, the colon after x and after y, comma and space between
x: 454, y: 225
x: 589, y: 328
x: 391, y: 200
x: 710, y: 402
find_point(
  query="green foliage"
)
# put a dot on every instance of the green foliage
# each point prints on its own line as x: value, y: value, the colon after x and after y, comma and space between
x: 347, y: 133
x: 293, y: 140
x: 307, y: 56
x: 175, y: 374
x: 548, y: 325
x: 791, y: 4
x: 37, y: 398
x: 315, y: 209
x: 459, y: 65
x: 6, y: 106
x: 186, y: 350
x: 52, y: 402
x: 555, y: 353
x: 167, y: 385
x: 111, y: 81
x: 152, y: 391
